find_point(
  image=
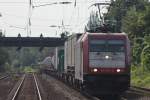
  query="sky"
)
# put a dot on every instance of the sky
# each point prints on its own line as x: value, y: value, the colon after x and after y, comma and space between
x: 15, y: 15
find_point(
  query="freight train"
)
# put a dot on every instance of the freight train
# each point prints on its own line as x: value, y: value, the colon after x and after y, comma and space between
x: 96, y: 63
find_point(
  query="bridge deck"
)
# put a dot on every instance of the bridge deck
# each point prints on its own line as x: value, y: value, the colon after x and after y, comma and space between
x: 31, y: 41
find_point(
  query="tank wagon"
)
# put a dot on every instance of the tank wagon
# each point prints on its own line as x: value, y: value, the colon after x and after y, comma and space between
x: 97, y: 63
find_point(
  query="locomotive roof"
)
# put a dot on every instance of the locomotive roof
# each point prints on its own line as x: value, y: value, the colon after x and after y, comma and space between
x: 87, y: 33
x: 106, y: 33
x: 82, y: 36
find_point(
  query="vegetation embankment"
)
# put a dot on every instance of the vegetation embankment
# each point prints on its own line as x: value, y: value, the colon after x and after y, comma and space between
x: 140, y: 77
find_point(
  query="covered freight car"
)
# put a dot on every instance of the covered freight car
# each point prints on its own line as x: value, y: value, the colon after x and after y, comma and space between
x: 70, y: 49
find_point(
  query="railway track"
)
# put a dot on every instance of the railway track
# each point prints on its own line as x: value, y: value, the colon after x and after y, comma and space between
x: 27, y: 89
x: 7, y: 82
x: 140, y: 90
x: 137, y: 93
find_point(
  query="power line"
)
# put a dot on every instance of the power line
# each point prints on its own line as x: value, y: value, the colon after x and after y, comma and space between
x: 38, y: 2
x: 34, y: 18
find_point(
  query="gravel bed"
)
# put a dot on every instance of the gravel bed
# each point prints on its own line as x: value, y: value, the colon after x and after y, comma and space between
x: 28, y: 89
x: 56, y: 90
x: 6, y: 85
x: 135, y: 96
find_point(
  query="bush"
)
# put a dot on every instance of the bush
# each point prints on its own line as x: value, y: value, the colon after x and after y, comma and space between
x: 140, y: 77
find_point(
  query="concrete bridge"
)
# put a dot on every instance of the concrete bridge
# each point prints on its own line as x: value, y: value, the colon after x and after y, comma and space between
x: 31, y: 41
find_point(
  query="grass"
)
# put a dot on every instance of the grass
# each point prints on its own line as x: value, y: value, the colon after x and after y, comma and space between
x: 29, y: 69
x: 140, y: 77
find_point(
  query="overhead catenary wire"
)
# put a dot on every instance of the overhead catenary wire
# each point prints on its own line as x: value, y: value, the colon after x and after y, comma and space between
x: 78, y: 8
x: 23, y: 17
x: 33, y: 2
x: 71, y: 19
x: 38, y: 19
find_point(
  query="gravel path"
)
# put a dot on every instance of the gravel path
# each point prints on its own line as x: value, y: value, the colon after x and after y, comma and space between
x: 57, y: 90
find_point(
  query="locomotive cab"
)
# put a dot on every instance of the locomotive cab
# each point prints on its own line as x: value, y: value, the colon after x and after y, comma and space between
x: 103, y: 63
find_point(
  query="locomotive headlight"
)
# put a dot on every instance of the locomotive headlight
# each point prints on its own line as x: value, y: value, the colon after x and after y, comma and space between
x: 106, y: 57
x: 118, y: 70
x: 95, y: 70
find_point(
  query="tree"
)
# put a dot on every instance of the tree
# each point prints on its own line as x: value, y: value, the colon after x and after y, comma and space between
x: 119, y: 9
x: 147, y: 21
x: 145, y: 55
x: 134, y: 23
x: 136, y: 51
x: 4, y: 57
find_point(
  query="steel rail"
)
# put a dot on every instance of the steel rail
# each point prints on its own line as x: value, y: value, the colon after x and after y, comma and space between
x: 19, y: 87
x: 123, y: 98
x: 37, y: 87
x: 137, y: 91
x: 140, y: 88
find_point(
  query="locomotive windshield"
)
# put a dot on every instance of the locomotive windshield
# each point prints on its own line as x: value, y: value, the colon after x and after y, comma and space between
x: 107, y: 53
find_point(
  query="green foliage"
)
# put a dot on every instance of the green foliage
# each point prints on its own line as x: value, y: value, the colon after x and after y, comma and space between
x: 117, y: 10
x: 147, y: 21
x: 145, y: 55
x: 27, y: 57
x: 24, y: 57
x: 134, y: 24
x: 147, y: 40
x: 8, y: 67
x: 29, y: 69
x: 136, y: 51
x: 4, y: 57
x: 140, y: 77
x: 120, y: 8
